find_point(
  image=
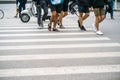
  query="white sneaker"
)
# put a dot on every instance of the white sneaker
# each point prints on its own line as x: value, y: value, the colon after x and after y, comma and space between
x: 40, y: 27
x: 94, y: 27
x: 99, y: 33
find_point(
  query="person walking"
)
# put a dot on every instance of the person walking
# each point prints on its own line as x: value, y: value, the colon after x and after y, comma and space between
x: 110, y: 8
x: 21, y: 5
x: 64, y: 13
x: 56, y: 8
x: 83, y: 8
x: 41, y: 4
x: 98, y: 8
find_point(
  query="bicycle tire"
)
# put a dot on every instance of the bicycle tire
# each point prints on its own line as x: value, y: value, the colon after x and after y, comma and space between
x: 1, y: 14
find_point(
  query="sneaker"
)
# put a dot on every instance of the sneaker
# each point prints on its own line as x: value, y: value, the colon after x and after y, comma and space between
x: 40, y: 27
x: 56, y: 30
x: 99, y: 33
x: 93, y: 27
x: 15, y: 16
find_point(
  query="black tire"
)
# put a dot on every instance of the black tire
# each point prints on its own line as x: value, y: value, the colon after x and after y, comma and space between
x: 25, y: 18
x: 1, y: 14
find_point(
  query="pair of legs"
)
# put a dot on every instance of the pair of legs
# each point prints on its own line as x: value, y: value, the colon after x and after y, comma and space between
x: 40, y: 6
x: 64, y: 13
x: 60, y: 19
x: 111, y: 5
x: 99, y: 16
x: 83, y: 15
x: 21, y: 7
x: 56, y: 12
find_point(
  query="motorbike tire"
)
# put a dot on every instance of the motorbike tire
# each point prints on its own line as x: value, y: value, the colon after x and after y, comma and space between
x: 25, y: 18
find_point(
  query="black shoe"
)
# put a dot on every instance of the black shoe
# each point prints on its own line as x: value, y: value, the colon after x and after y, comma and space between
x: 56, y: 30
x: 83, y: 28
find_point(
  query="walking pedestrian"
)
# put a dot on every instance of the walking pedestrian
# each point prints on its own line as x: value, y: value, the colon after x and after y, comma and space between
x: 56, y: 8
x: 110, y: 8
x: 64, y: 13
x: 41, y: 4
x: 98, y: 8
x: 83, y: 8
x: 21, y: 5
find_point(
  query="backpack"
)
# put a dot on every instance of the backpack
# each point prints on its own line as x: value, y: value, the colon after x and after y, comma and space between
x: 56, y: 2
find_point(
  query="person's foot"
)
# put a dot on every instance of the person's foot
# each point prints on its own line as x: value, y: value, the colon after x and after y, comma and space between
x: 15, y: 16
x: 112, y: 18
x: 56, y: 30
x: 40, y: 27
x: 99, y: 32
x: 49, y: 27
x: 62, y: 27
x: 83, y: 28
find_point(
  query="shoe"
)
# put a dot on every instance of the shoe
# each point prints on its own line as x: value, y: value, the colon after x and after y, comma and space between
x: 56, y: 30
x: 93, y: 27
x: 99, y: 33
x: 62, y: 27
x: 40, y: 27
x: 49, y: 27
x: 83, y: 28
x: 112, y: 18
x: 15, y: 16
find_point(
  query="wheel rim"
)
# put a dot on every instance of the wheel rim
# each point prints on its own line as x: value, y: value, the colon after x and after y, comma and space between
x: 25, y: 18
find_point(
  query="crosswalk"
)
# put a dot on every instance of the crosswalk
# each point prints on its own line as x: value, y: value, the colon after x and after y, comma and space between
x: 29, y: 53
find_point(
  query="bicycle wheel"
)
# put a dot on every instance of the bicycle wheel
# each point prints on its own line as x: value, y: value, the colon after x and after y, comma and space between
x: 1, y: 14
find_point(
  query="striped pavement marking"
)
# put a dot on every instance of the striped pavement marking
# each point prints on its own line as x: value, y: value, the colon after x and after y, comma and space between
x: 46, y: 34
x: 56, y: 40
x: 36, y: 30
x: 59, y: 70
x: 59, y: 56
x: 94, y: 45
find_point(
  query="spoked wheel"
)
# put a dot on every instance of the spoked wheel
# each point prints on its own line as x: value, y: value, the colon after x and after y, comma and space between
x: 1, y: 14
x: 25, y: 18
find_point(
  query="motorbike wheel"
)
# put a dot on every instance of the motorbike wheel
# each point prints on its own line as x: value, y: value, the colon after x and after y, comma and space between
x: 25, y: 18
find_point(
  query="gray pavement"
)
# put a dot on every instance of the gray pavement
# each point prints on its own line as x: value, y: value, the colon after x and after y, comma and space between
x: 29, y: 53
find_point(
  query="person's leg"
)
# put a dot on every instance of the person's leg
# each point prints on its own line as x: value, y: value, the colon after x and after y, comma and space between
x: 39, y: 21
x: 45, y: 9
x: 81, y: 19
x: 111, y: 13
x: 85, y: 16
x: 99, y: 17
x: 20, y: 10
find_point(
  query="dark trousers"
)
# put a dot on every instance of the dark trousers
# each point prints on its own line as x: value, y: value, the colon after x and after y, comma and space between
x: 41, y: 6
x: 21, y: 7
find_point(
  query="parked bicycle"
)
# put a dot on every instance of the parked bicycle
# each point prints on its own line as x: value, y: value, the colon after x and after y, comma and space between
x: 1, y: 14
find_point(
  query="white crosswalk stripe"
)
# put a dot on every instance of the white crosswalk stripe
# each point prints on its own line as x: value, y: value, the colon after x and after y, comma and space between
x: 15, y: 40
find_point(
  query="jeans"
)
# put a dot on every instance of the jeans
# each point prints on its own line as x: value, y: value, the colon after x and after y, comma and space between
x: 41, y: 6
